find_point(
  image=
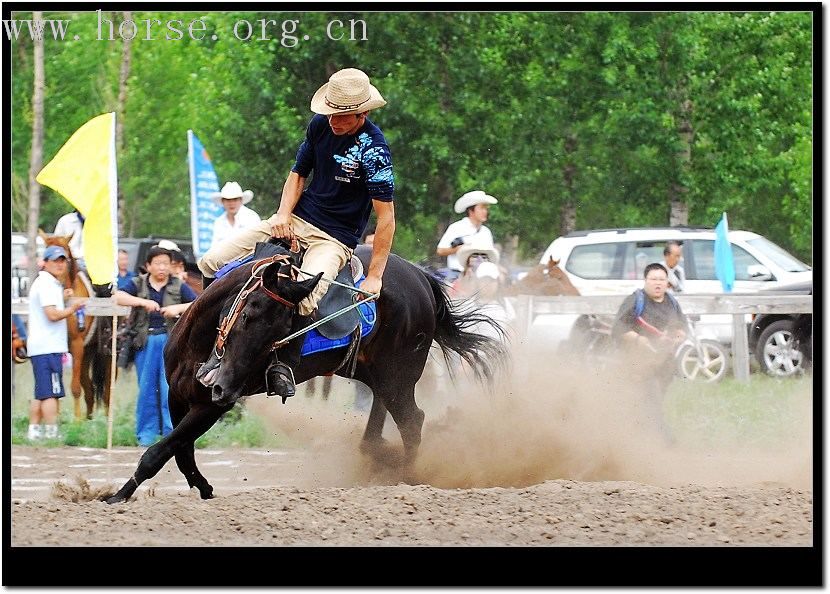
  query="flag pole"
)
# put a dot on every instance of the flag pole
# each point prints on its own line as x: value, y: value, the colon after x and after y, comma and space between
x: 111, y: 404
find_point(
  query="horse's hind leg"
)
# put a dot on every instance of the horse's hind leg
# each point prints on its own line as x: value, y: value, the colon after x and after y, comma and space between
x: 399, y: 399
x: 195, y: 423
x: 373, y: 436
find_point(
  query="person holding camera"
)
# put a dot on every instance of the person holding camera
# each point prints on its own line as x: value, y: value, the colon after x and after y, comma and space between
x: 476, y: 206
x: 159, y: 298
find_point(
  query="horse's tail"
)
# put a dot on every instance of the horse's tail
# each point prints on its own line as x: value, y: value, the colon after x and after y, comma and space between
x: 455, y: 332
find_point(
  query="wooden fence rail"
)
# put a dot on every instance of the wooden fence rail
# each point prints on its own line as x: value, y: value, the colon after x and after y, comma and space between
x: 528, y: 307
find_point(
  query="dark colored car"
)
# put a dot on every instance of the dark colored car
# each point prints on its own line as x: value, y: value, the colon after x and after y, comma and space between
x: 783, y: 343
x: 137, y: 249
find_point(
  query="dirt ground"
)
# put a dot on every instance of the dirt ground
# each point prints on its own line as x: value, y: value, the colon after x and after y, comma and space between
x: 575, y: 466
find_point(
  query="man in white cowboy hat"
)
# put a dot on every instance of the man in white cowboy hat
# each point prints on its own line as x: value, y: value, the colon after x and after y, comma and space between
x: 236, y: 216
x: 476, y: 206
x: 352, y: 167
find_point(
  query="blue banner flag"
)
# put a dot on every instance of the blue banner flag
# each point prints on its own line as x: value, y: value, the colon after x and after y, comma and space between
x: 203, y: 185
x: 724, y: 260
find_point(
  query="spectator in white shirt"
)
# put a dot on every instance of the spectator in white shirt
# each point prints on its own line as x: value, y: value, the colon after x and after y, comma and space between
x: 72, y: 223
x: 48, y: 341
x: 236, y: 216
x: 476, y: 205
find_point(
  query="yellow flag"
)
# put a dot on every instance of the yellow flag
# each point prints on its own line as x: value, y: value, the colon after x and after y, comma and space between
x: 84, y: 172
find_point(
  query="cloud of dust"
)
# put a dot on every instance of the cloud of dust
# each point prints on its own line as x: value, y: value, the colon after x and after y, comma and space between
x: 558, y: 417
x: 554, y: 417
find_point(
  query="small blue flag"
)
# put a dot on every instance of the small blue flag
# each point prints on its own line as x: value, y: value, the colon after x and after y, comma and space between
x: 203, y: 185
x: 724, y: 260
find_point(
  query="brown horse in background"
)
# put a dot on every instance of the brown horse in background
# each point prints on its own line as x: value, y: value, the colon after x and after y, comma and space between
x: 544, y: 279
x: 90, y: 369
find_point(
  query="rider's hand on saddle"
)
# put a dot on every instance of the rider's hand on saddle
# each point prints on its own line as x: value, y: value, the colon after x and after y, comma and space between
x: 67, y: 293
x: 282, y: 227
x: 372, y: 284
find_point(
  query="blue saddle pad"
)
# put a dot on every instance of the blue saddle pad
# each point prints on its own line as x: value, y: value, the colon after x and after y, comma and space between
x: 316, y: 342
x: 231, y: 265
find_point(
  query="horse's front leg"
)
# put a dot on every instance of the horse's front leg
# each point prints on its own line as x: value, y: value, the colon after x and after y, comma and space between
x: 178, y: 442
x: 76, y: 349
x: 87, y: 386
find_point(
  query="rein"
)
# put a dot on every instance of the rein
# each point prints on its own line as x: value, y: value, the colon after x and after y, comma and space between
x: 252, y: 284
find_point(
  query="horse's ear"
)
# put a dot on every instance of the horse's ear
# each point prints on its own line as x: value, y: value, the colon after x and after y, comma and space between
x: 554, y: 262
x: 42, y: 235
x: 296, y: 291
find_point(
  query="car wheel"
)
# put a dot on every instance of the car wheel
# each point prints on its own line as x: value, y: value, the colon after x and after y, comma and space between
x: 776, y: 352
x: 708, y: 364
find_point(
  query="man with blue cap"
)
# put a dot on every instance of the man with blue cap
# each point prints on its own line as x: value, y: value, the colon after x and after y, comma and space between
x: 48, y: 341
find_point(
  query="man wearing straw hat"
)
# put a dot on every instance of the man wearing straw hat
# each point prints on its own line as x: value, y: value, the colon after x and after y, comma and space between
x: 352, y: 167
x: 476, y: 206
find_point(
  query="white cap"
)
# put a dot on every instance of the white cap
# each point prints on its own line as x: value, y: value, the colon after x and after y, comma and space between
x: 487, y: 270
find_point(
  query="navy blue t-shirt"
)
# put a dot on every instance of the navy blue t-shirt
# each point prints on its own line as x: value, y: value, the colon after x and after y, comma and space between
x: 349, y: 172
x: 155, y: 318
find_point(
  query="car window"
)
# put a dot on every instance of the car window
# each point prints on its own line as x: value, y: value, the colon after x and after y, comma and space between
x: 640, y: 254
x: 704, y: 259
x: 594, y: 261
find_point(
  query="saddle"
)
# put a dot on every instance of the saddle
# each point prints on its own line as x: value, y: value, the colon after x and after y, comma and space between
x: 336, y: 298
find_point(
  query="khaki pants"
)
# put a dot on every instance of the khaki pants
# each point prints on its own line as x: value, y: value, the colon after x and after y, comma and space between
x: 323, y: 254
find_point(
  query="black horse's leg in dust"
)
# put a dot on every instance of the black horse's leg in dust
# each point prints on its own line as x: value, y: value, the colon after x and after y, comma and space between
x: 194, y: 424
x: 408, y: 417
x: 373, y: 436
x: 185, y: 455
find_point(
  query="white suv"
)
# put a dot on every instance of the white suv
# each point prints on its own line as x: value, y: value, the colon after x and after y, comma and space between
x: 604, y: 262
x: 20, y: 263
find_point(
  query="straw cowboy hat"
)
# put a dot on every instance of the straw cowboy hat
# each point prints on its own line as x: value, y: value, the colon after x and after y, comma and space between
x: 232, y: 190
x: 476, y: 247
x: 471, y: 199
x: 348, y: 91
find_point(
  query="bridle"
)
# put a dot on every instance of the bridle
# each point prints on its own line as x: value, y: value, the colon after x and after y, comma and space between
x: 252, y: 284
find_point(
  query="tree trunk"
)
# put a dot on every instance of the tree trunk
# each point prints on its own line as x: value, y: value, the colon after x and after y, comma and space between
x: 567, y: 213
x: 36, y: 156
x: 679, y: 210
x: 120, y: 111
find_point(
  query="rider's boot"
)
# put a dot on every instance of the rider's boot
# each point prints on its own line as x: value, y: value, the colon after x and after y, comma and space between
x: 279, y: 377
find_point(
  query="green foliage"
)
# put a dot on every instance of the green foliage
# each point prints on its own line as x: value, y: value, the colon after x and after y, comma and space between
x: 544, y: 110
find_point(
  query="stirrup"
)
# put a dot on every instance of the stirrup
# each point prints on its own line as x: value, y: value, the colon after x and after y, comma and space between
x: 279, y: 380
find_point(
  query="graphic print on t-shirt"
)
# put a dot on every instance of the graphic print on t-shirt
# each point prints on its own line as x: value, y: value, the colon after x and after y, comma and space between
x: 376, y: 163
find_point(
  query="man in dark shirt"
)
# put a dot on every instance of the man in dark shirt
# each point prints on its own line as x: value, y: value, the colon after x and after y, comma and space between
x: 352, y: 167
x: 159, y: 299
x: 650, y: 326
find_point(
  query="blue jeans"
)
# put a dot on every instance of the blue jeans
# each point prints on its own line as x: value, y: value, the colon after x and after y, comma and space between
x: 152, y: 417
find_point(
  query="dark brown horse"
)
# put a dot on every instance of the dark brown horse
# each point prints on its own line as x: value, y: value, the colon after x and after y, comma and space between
x: 255, y: 306
x: 90, y: 368
x: 544, y: 279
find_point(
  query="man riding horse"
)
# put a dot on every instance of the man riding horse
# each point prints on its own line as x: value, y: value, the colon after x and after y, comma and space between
x: 352, y: 167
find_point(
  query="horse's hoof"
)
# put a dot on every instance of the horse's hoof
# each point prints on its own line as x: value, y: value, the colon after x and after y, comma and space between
x: 115, y: 499
x: 207, y: 493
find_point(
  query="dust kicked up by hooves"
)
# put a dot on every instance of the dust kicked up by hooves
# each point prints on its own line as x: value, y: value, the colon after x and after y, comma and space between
x: 553, y: 416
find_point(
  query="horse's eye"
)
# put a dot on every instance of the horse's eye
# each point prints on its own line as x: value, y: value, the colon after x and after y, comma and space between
x: 244, y: 317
